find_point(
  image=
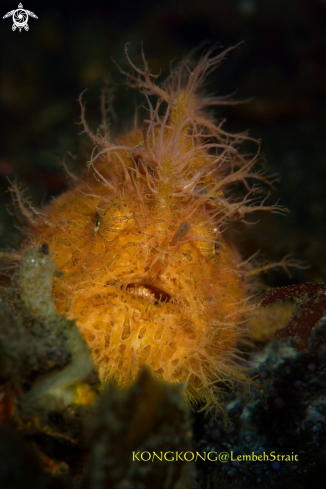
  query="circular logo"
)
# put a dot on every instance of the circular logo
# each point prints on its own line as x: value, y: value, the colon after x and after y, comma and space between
x: 20, y: 18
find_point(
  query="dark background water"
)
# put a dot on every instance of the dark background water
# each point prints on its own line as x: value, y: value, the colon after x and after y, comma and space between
x: 282, y: 63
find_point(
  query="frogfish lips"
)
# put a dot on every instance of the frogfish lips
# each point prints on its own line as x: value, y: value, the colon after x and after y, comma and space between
x: 153, y: 294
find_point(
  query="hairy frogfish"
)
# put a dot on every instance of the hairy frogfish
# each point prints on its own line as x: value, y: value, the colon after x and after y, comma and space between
x: 149, y: 274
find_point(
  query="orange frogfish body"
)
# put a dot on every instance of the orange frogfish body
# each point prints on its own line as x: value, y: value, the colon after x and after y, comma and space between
x: 148, y: 273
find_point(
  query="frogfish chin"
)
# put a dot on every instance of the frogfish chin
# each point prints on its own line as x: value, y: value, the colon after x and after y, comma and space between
x: 149, y: 274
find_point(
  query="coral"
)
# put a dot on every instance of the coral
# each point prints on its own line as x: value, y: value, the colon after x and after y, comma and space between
x: 266, y: 321
x: 148, y: 417
x: 20, y: 467
x: 43, y: 356
x: 148, y: 271
x: 48, y: 380
x: 290, y: 419
x: 308, y: 312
